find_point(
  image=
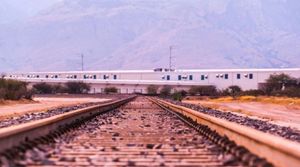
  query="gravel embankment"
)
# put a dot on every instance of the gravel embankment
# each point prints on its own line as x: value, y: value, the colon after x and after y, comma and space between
x: 264, y: 126
x: 41, y: 115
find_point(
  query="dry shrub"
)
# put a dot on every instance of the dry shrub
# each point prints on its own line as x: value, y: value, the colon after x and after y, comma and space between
x: 77, y: 87
x: 165, y: 91
x: 43, y: 88
x: 280, y: 100
x: 152, y: 89
x: 247, y: 98
x: 224, y: 99
x: 13, y: 89
x: 109, y: 90
x: 208, y: 90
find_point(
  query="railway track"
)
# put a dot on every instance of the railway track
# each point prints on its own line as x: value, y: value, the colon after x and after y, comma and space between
x: 142, y: 132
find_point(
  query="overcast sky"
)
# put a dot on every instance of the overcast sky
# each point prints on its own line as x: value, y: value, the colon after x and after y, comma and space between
x: 17, y: 10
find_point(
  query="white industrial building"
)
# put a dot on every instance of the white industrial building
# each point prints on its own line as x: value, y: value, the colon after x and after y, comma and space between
x: 131, y: 81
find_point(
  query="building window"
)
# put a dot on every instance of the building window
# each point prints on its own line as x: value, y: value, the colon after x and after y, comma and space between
x: 47, y: 76
x: 238, y: 76
x: 115, y: 76
x: 202, y: 77
x: 168, y: 77
x: 75, y: 76
x: 190, y: 77
x: 55, y: 76
x: 94, y: 76
x: 250, y: 76
x: 226, y: 76
x: 179, y: 77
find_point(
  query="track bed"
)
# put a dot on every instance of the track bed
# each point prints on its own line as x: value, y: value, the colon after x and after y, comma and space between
x: 137, y: 134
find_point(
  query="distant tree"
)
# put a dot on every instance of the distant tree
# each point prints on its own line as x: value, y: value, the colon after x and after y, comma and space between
x: 43, y: 88
x: 179, y: 95
x: 165, y: 90
x: 2, y: 88
x: 108, y: 90
x: 77, y: 87
x: 29, y: 94
x: 208, y: 90
x: 233, y: 91
x: 58, y: 88
x: 194, y: 90
x: 277, y: 82
x: 152, y: 89
x: 2, y: 93
x: 298, y: 82
x: 289, y: 92
x: 12, y: 89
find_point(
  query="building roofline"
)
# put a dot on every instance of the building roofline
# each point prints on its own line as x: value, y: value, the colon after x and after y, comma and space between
x: 177, y: 70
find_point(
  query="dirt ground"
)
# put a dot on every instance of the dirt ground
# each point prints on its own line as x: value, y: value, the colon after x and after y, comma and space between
x: 15, y: 108
x: 276, y: 113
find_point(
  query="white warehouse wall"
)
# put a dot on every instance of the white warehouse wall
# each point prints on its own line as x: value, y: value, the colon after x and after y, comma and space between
x: 139, y: 80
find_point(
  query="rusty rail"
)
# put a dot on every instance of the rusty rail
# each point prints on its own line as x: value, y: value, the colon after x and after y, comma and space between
x: 277, y: 150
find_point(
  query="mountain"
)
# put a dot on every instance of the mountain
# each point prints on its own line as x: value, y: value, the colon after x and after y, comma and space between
x: 119, y: 34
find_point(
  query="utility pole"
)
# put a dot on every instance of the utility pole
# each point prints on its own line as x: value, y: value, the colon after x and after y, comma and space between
x: 170, y: 57
x: 82, y: 65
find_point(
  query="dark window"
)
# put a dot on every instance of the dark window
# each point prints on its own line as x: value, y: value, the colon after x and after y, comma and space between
x: 238, y: 76
x: 95, y: 77
x: 55, y: 76
x: 104, y: 77
x: 75, y: 76
x: 191, y: 77
x: 202, y: 77
x: 115, y: 76
x: 158, y: 69
x: 47, y: 76
x: 250, y: 76
x: 226, y: 76
x: 37, y: 76
x: 168, y: 77
x: 179, y: 77
x: 28, y: 76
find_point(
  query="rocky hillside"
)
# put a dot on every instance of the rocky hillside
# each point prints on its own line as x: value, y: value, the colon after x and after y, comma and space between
x: 118, y: 34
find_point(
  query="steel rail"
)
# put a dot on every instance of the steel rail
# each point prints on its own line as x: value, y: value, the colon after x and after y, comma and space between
x: 279, y: 151
x: 15, y: 135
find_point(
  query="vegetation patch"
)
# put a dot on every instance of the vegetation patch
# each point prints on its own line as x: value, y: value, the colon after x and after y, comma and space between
x: 14, y: 90
x: 152, y: 90
x: 69, y: 87
x: 109, y: 90
x: 263, y: 99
